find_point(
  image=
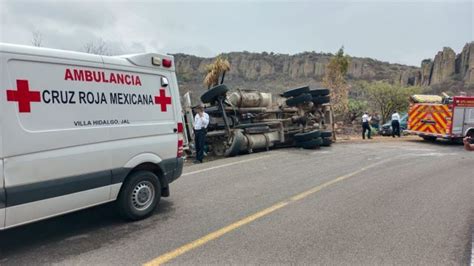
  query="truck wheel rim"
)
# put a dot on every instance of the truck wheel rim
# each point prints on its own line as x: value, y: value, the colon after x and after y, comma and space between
x: 143, y: 195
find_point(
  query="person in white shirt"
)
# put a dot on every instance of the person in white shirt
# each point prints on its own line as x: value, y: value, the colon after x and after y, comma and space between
x: 396, y: 124
x: 201, y: 121
x: 366, y: 125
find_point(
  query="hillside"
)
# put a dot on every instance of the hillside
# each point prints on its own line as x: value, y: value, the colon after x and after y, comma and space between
x: 448, y: 71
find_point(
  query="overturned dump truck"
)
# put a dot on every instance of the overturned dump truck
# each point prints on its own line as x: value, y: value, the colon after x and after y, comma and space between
x: 244, y: 121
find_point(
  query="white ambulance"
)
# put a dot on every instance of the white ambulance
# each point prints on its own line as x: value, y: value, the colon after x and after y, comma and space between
x: 78, y: 130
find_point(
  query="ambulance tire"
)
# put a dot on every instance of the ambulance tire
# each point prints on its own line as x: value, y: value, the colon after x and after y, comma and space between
x: 326, y: 134
x: 319, y: 92
x: 303, y: 98
x: 295, y: 92
x: 211, y: 95
x: 139, y: 196
x: 321, y: 99
x: 326, y: 142
x: 310, y: 144
x: 302, y: 137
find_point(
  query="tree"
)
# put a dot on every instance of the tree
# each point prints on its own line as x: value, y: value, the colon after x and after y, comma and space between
x: 335, y: 80
x: 37, y: 38
x: 356, y: 108
x: 100, y: 47
x: 219, y: 67
x: 387, y: 98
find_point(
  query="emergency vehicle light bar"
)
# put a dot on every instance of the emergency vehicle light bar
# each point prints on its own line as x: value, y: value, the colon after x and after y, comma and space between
x: 157, y: 61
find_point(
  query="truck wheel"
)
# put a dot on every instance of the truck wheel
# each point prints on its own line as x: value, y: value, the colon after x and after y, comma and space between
x: 326, y: 134
x: 302, y: 137
x: 211, y: 95
x: 139, y: 195
x: 310, y: 144
x: 326, y: 142
x: 303, y: 98
x: 321, y: 99
x: 236, y: 142
x: 470, y: 134
x: 319, y: 92
x: 295, y: 92
x: 429, y: 138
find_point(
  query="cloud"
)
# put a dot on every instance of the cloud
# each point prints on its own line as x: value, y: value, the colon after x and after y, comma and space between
x: 404, y: 34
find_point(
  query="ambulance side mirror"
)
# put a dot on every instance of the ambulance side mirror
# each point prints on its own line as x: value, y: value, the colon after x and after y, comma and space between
x: 164, y: 82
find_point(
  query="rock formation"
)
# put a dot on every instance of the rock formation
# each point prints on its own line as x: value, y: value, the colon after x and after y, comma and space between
x: 276, y: 72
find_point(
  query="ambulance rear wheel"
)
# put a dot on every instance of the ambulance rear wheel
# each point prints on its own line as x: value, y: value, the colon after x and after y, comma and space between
x: 139, y: 195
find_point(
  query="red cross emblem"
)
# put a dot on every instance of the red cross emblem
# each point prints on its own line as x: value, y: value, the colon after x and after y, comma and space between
x: 163, y: 100
x: 23, y: 96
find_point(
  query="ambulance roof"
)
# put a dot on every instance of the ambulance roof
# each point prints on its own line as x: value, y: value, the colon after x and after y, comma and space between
x: 143, y: 60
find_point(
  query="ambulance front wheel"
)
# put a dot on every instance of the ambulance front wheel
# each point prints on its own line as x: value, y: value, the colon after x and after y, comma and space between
x: 139, y: 195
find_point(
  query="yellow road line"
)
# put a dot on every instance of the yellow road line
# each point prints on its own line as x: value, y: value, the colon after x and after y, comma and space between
x: 216, y: 234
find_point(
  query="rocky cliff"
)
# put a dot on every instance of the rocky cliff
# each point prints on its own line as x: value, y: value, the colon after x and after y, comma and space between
x: 276, y: 72
x: 447, y: 66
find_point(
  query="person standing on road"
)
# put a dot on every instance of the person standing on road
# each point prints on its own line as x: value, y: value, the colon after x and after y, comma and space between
x: 366, y: 125
x: 467, y: 144
x: 201, y: 121
x: 396, y: 124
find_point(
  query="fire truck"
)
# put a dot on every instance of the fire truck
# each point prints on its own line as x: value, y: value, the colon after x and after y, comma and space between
x: 433, y: 117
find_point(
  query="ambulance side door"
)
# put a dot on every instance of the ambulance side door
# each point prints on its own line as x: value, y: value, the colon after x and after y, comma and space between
x: 55, y: 159
x: 2, y: 195
x: 3, y: 73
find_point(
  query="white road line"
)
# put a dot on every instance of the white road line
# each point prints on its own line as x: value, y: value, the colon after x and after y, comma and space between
x: 227, y: 164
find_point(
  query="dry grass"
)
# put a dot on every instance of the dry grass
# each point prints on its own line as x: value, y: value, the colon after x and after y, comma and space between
x: 215, y: 70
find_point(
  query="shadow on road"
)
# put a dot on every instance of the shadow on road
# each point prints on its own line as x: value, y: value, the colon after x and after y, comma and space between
x: 439, y: 142
x: 75, y: 233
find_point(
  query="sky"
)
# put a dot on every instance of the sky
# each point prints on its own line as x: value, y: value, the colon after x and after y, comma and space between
x: 403, y: 31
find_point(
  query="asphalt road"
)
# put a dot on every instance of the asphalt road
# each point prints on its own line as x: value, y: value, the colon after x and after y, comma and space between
x: 368, y: 203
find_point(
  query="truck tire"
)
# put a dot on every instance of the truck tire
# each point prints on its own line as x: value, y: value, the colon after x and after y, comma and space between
x: 326, y: 142
x: 139, y: 196
x: 211, y: 95
x: 319, y: 92
x: 302, y: 137
x: 429, y: 138
x: 326, y: 134
x: 295, y: 92
x: 310, y: 144
x: 321, y: 99
x: 238, y: 139
x: 303, y: 98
